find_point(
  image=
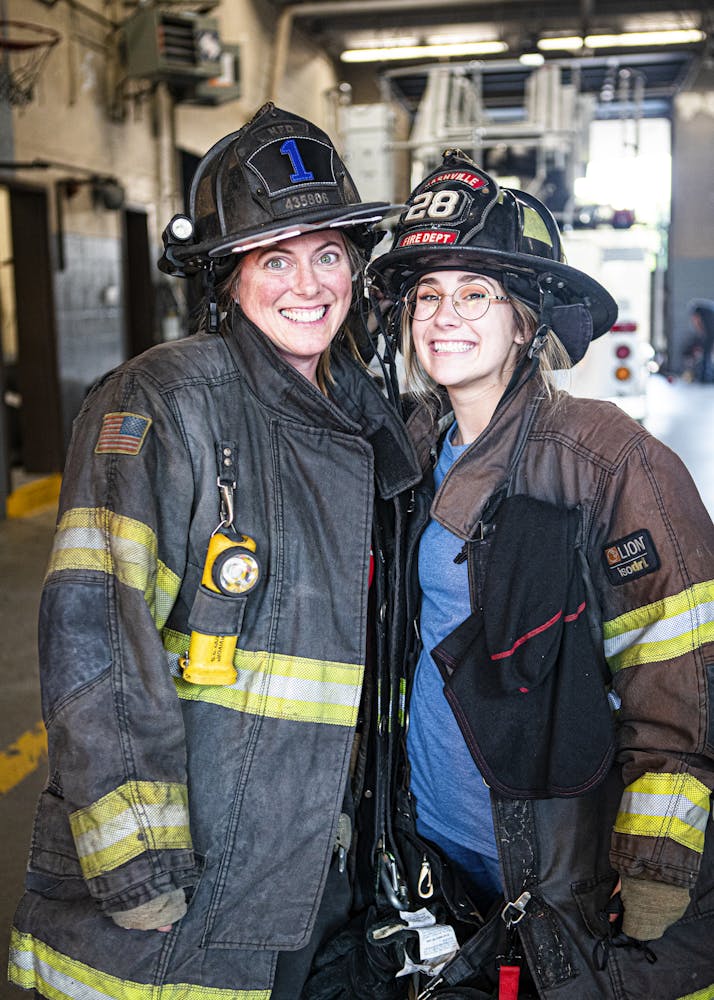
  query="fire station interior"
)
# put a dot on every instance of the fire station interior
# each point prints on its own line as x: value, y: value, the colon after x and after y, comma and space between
x: 603, y: 109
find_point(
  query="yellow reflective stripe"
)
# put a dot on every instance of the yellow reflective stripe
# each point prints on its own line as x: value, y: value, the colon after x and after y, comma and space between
x: 138, y: 816
x: 706, y: 994
x: 666, y: 805
x: 93, y: 538
x: 278, y: 686
x: 167, y: 588
x: 34, y: 965
x: 662, y: 630
x: 534, y: 227
x: 402, y: 700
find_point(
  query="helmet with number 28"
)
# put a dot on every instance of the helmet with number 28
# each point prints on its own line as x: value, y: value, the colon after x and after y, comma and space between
x: 459, y: 218
x: 279, y: 176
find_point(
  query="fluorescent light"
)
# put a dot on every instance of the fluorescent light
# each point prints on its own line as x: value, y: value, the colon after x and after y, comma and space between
x: 679, y: 36
x: 385, y: 54
x: 364, y: 41
x: 570, y: 42
x: 462, y: 38
x: 531, y: 59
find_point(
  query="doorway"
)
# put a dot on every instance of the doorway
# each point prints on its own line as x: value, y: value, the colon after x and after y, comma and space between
x: 31, y: 426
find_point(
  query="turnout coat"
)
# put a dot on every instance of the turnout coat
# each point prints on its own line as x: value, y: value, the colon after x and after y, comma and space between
x: 232, y: 792
x: 648, y: 568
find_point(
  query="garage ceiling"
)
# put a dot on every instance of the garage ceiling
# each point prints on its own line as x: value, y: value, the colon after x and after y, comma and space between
x: 661, y: 71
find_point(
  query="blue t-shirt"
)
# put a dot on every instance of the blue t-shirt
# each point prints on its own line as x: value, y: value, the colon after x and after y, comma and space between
x: 451, y: 796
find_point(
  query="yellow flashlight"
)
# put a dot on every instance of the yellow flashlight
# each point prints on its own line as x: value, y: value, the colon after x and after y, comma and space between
x: 231, y: 569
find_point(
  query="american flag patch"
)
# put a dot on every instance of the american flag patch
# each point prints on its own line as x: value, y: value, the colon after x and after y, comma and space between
x: 122, y: 434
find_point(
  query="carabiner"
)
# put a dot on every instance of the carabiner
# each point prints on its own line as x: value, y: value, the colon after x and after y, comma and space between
x: 394, y: 888
x: 226, y: 491
x: 519, y: 906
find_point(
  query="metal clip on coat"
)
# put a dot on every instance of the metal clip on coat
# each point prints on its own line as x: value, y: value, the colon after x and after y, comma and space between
x: 230, y: 571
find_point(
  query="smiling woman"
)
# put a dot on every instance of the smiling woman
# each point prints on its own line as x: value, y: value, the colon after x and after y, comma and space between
x: 462, y: 344
x: 228, y: 501
x: 298, y: 293
x: 562, y: 681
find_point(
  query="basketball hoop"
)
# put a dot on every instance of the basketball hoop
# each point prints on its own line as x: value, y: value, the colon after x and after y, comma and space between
x: 24, y: 47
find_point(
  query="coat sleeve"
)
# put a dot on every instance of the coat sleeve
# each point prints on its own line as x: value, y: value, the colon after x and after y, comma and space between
x: 117, y: 793
x: 655, y: 570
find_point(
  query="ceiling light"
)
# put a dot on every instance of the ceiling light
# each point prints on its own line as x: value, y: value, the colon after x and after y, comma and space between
x: 462, y: 38
x: 372, y: 41
x: 569, y: 43
x: 531, y: 59
x: 679, y: 36
x: 387, y: 53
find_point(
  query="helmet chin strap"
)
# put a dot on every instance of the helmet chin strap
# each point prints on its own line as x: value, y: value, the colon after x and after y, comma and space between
x: 389, y: 330
x: 209, y: 291
x: 531, y: 357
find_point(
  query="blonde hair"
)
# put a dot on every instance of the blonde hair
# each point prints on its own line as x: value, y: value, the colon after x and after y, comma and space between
x: 551, y: 358
x: 227, y: 299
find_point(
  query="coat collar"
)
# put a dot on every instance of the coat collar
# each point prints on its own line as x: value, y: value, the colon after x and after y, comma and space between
x: 470, y: 482
x: 356, y: 405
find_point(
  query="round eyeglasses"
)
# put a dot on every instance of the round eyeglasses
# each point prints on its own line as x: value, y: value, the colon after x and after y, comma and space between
x: 471, y: 301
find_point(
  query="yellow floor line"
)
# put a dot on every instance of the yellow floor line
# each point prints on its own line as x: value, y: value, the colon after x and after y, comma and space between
x: 35, y: 496
x: 22, y: 757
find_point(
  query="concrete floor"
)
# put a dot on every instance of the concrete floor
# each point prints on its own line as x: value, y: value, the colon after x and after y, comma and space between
x: 680, y: 413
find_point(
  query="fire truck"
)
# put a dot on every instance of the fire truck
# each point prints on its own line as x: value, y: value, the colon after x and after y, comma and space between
x: 618, y: 364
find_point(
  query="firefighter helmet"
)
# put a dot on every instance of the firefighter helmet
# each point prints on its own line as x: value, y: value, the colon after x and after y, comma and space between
x: 458, y: 217
x: 278, y: 176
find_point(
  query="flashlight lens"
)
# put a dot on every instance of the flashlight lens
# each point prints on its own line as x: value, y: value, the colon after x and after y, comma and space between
x: 236, y: 571
x: 181, y: 227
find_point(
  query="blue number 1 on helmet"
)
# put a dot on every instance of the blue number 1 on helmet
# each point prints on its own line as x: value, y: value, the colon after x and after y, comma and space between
x: 289, y: 148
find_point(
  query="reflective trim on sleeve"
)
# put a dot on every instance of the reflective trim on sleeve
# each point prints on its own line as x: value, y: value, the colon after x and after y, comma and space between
x: 666, y: 805
x: 662, y: 630
x: 138, y: 816
x: 93, y: 538
x: 706, y: 994
x: 278, y: 686
x: 34, y: 965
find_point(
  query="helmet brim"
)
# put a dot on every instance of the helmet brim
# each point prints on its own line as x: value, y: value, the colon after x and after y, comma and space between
x: 395, y: 271
x: 338, y: 217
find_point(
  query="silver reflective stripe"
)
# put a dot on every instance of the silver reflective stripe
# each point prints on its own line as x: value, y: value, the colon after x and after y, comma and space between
x: 647, y: 804
x: 126, y: 824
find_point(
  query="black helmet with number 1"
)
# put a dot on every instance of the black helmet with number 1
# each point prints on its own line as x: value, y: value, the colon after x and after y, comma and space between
x: 277, y: 177
x: 458, y: 217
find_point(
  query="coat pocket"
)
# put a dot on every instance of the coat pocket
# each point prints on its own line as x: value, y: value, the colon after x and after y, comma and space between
x: 592, y: 897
